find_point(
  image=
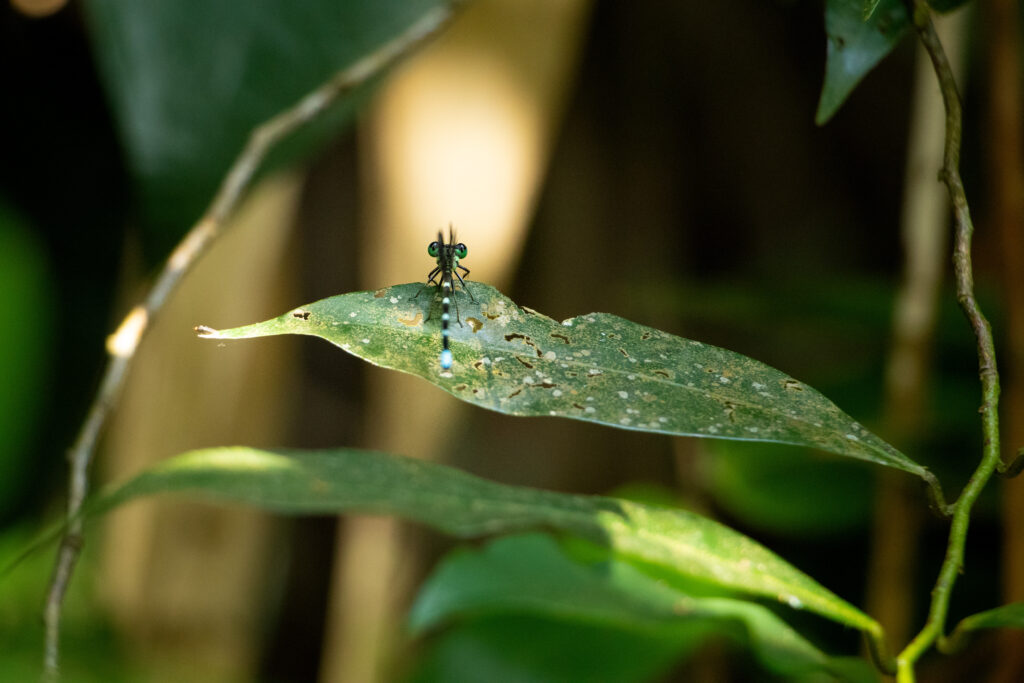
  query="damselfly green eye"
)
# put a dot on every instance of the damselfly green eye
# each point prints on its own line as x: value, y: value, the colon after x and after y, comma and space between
x: 460, y: 250
x: 434, y: 248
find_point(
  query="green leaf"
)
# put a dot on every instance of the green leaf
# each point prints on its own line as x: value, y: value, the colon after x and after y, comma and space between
x: 678, y: 544
x: 855, y: 46
x: 1007, y: 616
x: 533, y: 575
x: 869, y: 8
x: 789, y: 491
x: 597, y: 368
x: 190, y: 79
x: 516, y: 648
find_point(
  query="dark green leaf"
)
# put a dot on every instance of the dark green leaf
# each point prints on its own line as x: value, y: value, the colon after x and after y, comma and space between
x: 855, y: 46
x: 533, y: 575
x: 516, y: 648
x: 190, y: 79
x: 678, y: 544
x: 788, y: 490
x: 869, y: 8
x: 1007, y: 616
x: 596, y: 367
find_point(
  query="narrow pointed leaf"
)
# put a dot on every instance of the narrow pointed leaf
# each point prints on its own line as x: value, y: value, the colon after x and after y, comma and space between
x: 677, y: 543
x: 533, y: 575
x: 1006, y: 616
x: 596, y: 367
x: 856, y: 45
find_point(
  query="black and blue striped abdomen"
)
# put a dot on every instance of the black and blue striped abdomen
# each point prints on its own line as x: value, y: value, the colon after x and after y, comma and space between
x: 446, y: 295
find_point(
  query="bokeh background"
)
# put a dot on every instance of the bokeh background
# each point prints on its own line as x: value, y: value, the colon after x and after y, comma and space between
x: 657, y: 161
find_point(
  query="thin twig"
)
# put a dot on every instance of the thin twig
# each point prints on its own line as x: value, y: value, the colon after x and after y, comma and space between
x: 123, y: 344
x: 964, y: 228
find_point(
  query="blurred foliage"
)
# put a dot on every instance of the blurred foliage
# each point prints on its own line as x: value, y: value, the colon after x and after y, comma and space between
x: 26, y: 293
x: 93, y: 652
x: 523, y: 576
x: 185, y: 108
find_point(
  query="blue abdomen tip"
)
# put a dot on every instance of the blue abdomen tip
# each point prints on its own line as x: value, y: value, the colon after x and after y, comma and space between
x: 446, y: 359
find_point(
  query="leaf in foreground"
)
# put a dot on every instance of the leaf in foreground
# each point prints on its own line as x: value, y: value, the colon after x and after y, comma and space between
x: 533, y: 575
x: 596, y: 367
x: 676, y: 543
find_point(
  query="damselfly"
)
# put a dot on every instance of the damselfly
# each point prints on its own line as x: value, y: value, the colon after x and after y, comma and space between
x: 447, y: 255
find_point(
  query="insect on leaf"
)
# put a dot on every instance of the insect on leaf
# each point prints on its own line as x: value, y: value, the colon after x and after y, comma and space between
x: 596, y: 367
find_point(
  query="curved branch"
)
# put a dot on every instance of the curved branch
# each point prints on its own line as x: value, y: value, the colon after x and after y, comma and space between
x: 123, y: 344
x: 964, y: 274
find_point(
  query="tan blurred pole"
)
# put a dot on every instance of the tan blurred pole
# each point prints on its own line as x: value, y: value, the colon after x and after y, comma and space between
x: 925, y: 230
x: 460, y: 135
x: 1004, y: 145
x: 183, y: 580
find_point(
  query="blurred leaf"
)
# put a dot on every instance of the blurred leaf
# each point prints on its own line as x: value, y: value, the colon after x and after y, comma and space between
x: 90, y: 651
x: 596, y: 367
x: 190, y: 79
x: 25, y: 346
x: 676, y: 543
x: 788, y: 490
x: 855, y: 46
x: 533, y: 649
x: 1006, y: 616
x: 533, y: 575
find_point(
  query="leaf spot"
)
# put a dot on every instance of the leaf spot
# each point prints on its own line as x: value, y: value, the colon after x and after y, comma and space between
x: 475, y: 324
x: 791, y: 385
x: 564, y: 338
x: 380, y: 293
x: 300, y: 314
x: 524, y: 362
x: 623, y: 394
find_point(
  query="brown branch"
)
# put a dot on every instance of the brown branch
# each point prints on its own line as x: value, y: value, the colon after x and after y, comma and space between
x: 964, y: 275
x: 123, y: 344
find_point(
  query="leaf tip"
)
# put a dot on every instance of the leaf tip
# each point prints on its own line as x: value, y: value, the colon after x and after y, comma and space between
x: 204, y: 332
